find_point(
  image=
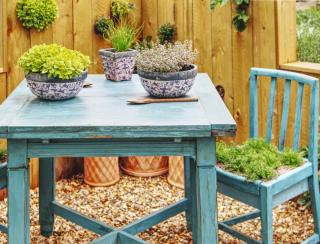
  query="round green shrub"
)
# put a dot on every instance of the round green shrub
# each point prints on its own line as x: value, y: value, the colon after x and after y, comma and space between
x: 102, y: 25
x: 167, y: 33
x: 38, y: 14
x: 54, y: 60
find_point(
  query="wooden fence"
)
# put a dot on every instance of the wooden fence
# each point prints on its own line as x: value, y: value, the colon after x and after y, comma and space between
x: 225, y: 54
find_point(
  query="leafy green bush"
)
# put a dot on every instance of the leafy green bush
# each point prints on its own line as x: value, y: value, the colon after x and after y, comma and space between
x: 166, y: 58
x: 38, y: 14
x: 256, y: 159
x: 120, y: 8
x: 54, y: 60
x: 167, y: 33
x: 308, y: 35
x: 102, y: 25
x: 122, y: 37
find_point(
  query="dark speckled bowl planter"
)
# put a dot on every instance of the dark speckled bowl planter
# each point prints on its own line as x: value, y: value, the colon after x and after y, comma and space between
x: 55, y: 88
x: 168, y: 85
x: 118, y: 66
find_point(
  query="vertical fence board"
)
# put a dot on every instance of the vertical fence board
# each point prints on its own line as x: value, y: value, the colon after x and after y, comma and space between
x: 202, y: 34
x: 150, y: 17
x: 222, y: 52
x: 63, y: 27
x: 166, y: 12
x: 242, y: 61
x: 3, y: 87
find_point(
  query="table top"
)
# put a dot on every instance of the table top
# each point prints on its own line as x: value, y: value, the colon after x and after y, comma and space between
x: 102, y: 112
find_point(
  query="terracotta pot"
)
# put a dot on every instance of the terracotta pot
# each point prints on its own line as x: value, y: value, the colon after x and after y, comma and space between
x: 144, y: 166
x: 176, y: 172
x: 101, y: 171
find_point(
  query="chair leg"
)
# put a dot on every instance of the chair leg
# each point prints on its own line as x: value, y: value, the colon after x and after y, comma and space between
x: 46, y: 195
x: 315, y: 202
x: 187, y: 192
x: 266, y: 215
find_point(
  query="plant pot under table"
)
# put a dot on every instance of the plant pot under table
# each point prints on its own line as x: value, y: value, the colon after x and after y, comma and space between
x: 101, y: 171
x: 118, y: 66
x: 144, y: 166
x: 176, y: 172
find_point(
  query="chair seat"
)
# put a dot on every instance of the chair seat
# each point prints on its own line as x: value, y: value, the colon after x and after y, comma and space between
x: 283, y: 187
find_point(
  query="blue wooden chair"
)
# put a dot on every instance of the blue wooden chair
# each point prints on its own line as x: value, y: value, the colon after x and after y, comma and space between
x: 265, y: 195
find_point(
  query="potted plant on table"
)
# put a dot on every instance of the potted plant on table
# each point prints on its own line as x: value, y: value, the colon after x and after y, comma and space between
x: 167, y: 70
x: 119, y: 61
x: 54, y: 72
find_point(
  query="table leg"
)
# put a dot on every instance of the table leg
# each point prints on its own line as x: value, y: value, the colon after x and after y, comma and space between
x: 206, y: 229
x: 18, y: 193
x: 46, y: 195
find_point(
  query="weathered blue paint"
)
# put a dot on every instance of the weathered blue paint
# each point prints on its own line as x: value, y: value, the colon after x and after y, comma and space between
x: 266, y: 195
x: 100, y: 123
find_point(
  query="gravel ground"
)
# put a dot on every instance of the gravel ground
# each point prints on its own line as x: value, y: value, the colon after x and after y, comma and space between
x: 132, y: 198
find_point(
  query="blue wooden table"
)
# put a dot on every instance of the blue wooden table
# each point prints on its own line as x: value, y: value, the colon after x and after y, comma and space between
x: 99, y: 122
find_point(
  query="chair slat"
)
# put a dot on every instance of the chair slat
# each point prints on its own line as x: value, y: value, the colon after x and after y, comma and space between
x: 270, y: 108
x: 285, y: 114
x: 253, y: 106
x: 297, y: 120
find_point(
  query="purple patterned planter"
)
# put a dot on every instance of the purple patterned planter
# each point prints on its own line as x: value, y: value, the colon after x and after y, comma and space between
x: 118, y: 66
x: 175, y: 84
x: 55, y: 88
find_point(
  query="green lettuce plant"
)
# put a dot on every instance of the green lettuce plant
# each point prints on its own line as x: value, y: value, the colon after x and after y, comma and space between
x: 38, y: 14
x: 122, y: 37
x: 54, y: 60
x: 256, y: 159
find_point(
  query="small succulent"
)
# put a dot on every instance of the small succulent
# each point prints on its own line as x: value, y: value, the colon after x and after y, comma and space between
x: 167, y: 33
x: 122, y: 36
x: 102, y: 25
x: 54, y: 60
x: 120, y: 8
x: 38, y: 14
x: 166, y: 58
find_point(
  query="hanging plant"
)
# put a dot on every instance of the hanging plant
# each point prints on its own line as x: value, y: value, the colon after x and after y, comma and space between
x: 241, y: 20
x: 37, y: 14
x: 120, y: 8
x: 102, y: 26
x: 167, y: 33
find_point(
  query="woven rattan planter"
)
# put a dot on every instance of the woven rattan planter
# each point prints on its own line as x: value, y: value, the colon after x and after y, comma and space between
x: 101, y: 171
x: 176, y: 172
x: 144, y: 166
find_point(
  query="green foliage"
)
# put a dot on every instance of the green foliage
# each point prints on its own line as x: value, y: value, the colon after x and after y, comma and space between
x: 122, y: 37
x: 308, y: 35
x: 120, y: 8
x: 3, y: 155
x: 256, y: 159
x: 54, y: 60
x: 167, y: 33
x: 144, y: 43
x: 38, y: 14
x: 102, y: 25
x: 241, y: 20
x: 166, y: 58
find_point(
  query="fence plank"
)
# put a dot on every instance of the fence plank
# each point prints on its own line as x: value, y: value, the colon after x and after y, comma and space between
x: 150, y: 17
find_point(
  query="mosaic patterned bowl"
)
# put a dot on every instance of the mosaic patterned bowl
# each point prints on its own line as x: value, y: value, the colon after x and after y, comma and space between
x: 55, y: 88
x: 118, y: 66
x: 168, y: 85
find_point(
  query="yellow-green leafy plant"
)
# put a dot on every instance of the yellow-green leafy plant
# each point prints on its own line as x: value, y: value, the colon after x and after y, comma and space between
x: 256, y: 159
x: 120, y: 8
x: 54, y: 60
x: 122, y: 36
x: 166, y: 58
x: 37, y: 14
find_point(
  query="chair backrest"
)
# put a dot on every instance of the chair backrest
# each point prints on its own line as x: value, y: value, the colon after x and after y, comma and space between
x: 289, y: 77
